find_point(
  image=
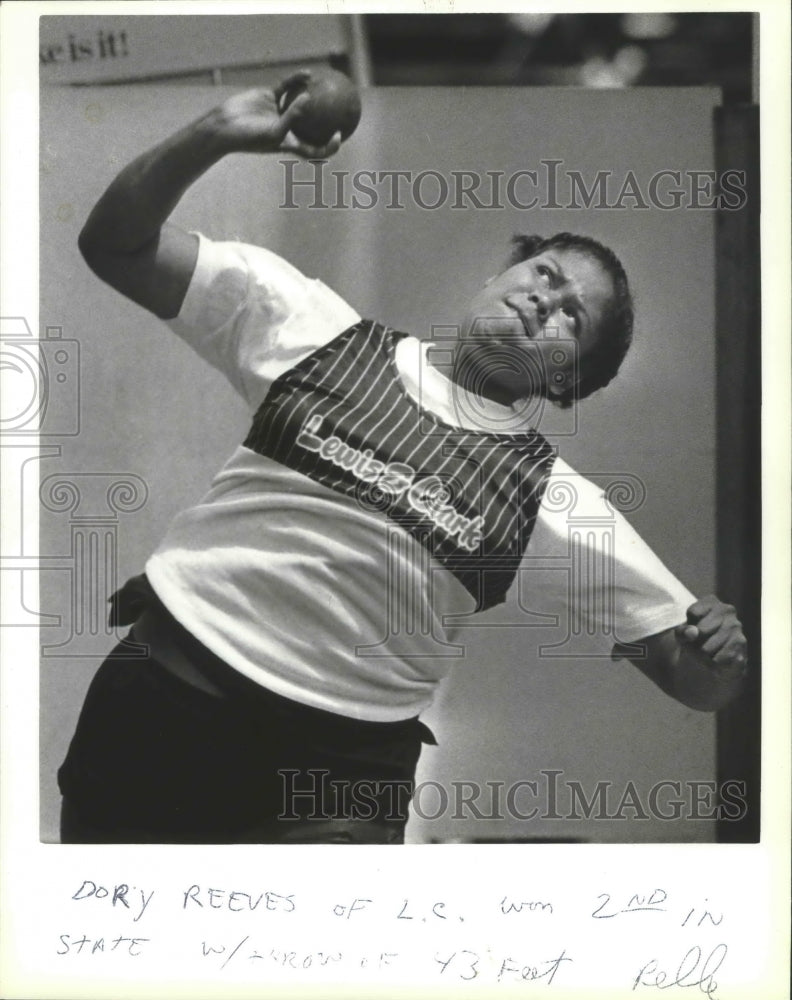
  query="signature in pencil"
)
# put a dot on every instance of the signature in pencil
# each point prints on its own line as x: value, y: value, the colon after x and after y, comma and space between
x: 693, y: 970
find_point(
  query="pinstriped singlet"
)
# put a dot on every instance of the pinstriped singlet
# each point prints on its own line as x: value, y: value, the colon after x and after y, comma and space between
x: 470, y: 498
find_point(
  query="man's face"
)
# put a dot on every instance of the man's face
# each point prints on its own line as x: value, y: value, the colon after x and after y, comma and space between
x: 530, y: 329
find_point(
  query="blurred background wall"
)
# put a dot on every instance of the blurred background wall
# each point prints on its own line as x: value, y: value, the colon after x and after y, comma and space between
x: 518, y: 49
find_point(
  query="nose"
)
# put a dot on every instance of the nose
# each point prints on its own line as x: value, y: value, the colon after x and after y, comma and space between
x: 542, y: 302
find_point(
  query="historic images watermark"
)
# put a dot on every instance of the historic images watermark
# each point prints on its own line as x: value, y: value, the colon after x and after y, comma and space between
x: 549, y: 185
x: 549, y: 795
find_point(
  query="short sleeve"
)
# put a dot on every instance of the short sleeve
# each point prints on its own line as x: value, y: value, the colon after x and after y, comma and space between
x: 252, y: 315
x: 590, y: 567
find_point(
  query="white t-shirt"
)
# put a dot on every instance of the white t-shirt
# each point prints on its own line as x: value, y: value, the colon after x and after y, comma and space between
x: 325, y: 601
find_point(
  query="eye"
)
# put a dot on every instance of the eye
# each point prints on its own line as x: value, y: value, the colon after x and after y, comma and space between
x: 543, y: 271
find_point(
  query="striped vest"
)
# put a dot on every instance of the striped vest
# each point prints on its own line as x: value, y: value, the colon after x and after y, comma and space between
x: 470, y: 498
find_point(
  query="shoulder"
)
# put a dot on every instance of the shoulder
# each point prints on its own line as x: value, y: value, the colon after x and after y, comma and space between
x: 568, y: 493
x: 574, y: 504
x: 231, y: 274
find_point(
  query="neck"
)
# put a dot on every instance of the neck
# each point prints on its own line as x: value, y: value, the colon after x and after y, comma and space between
x: 465, y: 374
x: 494, y: 410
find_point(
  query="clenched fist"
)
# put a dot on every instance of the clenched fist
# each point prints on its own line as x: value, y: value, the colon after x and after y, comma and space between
x: 714, y: 628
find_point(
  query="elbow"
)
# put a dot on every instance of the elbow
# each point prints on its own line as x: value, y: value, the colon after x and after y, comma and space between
x: 704, y: 707
x: 711, y: 700
x: 88, y: 248
x: 100, y: 258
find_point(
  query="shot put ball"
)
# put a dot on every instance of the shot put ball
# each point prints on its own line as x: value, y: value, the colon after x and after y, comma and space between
x: 333, y: 106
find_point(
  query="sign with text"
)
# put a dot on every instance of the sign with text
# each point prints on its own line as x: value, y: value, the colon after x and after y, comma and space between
x: 83, y: 49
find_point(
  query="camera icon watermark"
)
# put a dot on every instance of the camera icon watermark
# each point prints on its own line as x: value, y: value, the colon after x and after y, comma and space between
x: 41, y: 403
x: 483, y: 368
x: 41, y: 381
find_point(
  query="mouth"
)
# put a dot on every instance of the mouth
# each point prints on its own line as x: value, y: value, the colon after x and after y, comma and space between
x: 525, y: 320
x: 529, y: 333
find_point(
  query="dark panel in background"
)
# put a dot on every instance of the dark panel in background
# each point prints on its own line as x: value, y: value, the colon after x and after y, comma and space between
x: 739, y: 453
x: 600, y: 50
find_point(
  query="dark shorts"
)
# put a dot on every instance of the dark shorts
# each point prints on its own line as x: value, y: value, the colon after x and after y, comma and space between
x: 156, y: 760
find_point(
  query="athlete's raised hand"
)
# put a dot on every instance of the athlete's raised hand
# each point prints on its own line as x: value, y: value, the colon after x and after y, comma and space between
x: 253, y: 122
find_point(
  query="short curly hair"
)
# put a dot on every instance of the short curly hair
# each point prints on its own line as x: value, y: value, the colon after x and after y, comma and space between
x: 616, y: 330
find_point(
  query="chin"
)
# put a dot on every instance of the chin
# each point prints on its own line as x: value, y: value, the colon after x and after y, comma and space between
x: 489, y: 373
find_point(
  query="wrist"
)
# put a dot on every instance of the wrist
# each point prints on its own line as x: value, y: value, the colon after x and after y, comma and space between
x: 729, y: 672
x: 704, y: 685
x: 214, y: 134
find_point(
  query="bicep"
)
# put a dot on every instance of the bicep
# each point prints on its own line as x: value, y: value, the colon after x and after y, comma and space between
x: 156, y: 276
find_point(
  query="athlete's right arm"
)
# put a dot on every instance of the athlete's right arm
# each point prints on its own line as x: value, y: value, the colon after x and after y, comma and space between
x: 127, y: 241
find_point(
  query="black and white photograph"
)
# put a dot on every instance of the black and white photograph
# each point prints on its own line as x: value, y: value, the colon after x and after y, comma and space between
x: 337, y: 469
x: 388, y: 456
